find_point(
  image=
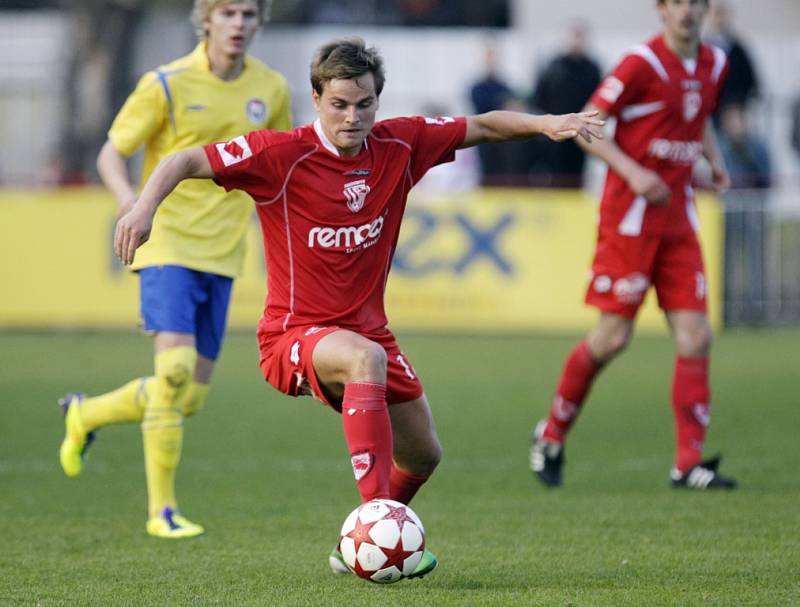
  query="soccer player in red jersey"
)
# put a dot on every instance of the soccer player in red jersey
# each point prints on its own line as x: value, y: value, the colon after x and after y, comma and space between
x: 330, y: 196
x: 661, y: 94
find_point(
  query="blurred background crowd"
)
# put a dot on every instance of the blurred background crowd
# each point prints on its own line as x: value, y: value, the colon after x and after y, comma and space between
x: 67, y: 66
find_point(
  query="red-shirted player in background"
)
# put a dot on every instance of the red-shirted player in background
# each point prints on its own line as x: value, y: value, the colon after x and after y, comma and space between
x: 330, y: 197
x: 661, y: 94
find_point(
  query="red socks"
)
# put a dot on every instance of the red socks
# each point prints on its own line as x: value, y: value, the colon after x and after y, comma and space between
x: 690, y: 403
x: 404, y: 486
x: 576, y: 379
x: 368, y: 432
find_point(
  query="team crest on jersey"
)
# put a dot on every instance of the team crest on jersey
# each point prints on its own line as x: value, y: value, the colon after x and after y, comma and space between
x: 355, y: 192
x: 692, y: 100
x: 233, y: 151
x: 256, y: 110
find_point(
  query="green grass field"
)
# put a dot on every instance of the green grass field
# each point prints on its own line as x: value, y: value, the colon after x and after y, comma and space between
x: 269, y: 476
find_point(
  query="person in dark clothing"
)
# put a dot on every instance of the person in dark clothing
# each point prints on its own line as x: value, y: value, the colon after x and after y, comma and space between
x: 565, y: 85
x: 501, y: 164
x: 741, y: 85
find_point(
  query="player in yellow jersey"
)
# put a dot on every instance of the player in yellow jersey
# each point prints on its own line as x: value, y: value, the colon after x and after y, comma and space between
x: 196, y: 246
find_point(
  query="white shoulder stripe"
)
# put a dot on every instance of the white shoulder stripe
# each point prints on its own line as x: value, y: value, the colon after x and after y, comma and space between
x: 719, y: 62
x: 646, y: 53
x: 638, y: 110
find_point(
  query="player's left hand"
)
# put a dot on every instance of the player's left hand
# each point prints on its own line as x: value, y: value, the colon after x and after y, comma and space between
x: 132, y: 231
x: 569, y: 126
x: 720, y: 179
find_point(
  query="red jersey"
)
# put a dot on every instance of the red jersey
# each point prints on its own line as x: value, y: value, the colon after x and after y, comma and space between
x: 330, y: 223
x: 661, y: 103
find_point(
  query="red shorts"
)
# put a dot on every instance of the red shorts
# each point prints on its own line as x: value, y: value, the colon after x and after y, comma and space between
x: 286, y: 362
x: 624, y: 267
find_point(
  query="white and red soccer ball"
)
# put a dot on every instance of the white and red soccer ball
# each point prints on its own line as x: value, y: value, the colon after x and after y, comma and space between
x: 382, y: 541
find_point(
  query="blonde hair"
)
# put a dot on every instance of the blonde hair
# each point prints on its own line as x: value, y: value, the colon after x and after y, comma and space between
x: 202, y: 10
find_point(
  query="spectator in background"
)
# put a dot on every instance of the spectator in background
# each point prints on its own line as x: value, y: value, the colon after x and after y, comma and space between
x: 747, y: 158
x: 741, y: 86
x: 504, y: 164
x: 795, y: 134
x: 565, y: 85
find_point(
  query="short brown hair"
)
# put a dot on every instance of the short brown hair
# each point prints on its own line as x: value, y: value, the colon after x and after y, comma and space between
x: 345, y: 59
x: 202, y: 10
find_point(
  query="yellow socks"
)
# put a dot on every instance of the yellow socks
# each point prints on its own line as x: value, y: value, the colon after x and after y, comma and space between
x: 126, y: 404
x: 196, y: 398
x: 162, y: 425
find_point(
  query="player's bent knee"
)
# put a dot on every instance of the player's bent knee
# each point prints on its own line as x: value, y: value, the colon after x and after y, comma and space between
x: 174, y: 373
x: 369, y: 360
x: 694, y: 343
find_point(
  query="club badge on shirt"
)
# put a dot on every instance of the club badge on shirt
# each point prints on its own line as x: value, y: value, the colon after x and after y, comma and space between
x: 355, y: 192
x: 256, y: 110
x: 233, y: 151
x: 691, y: 105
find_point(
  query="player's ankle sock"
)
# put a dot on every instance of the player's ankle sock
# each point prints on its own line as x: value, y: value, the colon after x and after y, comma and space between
x: 125, y: 404
x: 368, y: 432
x: 579, y: 372
x: 404, y: 486
x: 195, y: 399
x: 162, y: 426
x: 691, y: 398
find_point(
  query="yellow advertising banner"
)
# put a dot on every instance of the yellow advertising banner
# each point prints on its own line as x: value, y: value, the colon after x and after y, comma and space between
x: 490, y: 260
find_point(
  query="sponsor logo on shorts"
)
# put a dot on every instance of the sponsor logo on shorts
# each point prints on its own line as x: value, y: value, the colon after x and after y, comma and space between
x: 700, y: 286
x: 313, y: 330
x: 602, y: 283
x: 350, y: 237
x: 631, y: 288
x: 294, y: 354
x: 362, y: 464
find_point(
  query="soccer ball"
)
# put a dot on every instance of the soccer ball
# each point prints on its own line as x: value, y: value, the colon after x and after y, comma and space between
x: 382, y: 541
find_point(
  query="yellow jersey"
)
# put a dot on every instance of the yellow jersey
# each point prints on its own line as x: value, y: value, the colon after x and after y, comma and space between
x: 183, y: 105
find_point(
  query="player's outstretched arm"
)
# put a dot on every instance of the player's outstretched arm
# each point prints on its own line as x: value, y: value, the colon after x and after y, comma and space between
x: 498, y: 126
x: 133, y: 229
x: 640, y: 179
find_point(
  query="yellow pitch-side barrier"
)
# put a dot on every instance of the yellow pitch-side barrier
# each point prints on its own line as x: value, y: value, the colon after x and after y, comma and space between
x: 489, y: 260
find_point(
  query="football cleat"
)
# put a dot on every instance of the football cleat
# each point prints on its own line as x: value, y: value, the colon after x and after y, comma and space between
x: 76, y: 440
x: 546, y: 457
x: 172, y: 524
x: 702, y: 476
x: 426, y: 564
x: 336, y: 561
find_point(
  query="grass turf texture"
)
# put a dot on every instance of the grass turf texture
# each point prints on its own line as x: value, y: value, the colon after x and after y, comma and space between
x: 269, y: 477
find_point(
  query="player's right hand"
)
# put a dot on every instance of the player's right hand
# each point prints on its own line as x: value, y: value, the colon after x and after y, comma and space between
x: 132, y: 231
x: 649, y: 184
